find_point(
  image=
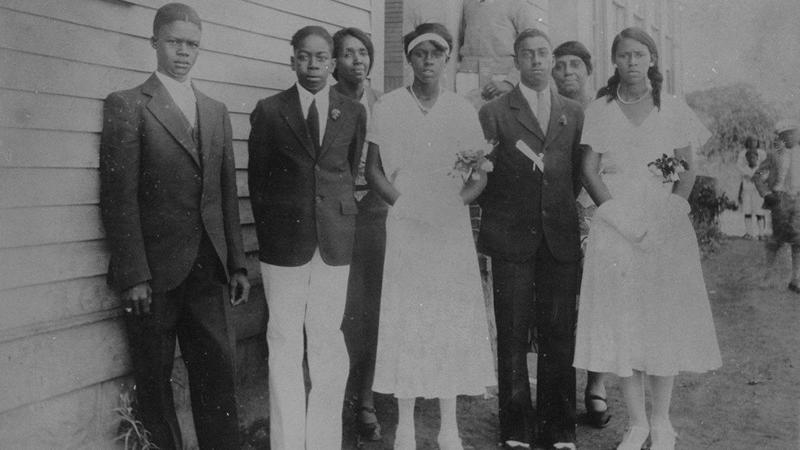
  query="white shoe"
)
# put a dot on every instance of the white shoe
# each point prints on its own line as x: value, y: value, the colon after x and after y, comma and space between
x: 634, y: 438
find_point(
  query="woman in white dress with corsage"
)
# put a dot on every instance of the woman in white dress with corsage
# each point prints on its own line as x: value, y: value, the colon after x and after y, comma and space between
x: 433, y: 335
x: 644, y: 312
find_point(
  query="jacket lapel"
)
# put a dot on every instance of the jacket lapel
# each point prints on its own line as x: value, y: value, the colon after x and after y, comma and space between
x: 292, y: 113
x: 333, y: 127
x: 522, y: 111
x: 204, y: 122
x: 168, y: 114
x: 556, y: 111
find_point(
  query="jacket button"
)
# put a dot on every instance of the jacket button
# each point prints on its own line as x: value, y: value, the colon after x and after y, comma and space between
x: 319, y: 199
x: 533, y: 230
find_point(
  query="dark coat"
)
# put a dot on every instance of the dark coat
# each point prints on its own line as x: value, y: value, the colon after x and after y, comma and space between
x: 521, y: 208
x: 159, y: 192
x: 302, y: 201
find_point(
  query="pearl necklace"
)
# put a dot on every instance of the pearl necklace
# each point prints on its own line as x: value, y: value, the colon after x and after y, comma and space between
x: 634, y: 101
x: 419, y: 103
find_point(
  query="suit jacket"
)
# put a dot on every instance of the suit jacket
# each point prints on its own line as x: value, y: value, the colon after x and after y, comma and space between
x: 766, y: 176
x: 521, y: 207
x: 302, y: 201
x: 160, y: 192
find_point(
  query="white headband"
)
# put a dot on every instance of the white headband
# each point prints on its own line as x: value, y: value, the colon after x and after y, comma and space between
x: 428, y: 37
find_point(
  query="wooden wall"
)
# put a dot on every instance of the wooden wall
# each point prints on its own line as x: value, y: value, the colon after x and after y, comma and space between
x: 63, y: 355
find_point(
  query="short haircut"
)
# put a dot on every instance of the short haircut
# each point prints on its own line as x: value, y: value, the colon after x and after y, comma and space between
x: 338, y: 41
x: 430, y: 27
x: 575, y: 48
x: 530, y: 33
x: 311, y: 30
x: 173, y: 12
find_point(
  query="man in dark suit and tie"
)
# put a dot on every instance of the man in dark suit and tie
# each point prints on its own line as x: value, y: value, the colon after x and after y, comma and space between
x: 170, y: 209
x: 529, y: 227
x: 304, y: 149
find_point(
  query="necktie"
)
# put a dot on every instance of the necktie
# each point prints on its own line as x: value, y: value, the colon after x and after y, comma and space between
x: 542, y: 112
x: 312, y: 121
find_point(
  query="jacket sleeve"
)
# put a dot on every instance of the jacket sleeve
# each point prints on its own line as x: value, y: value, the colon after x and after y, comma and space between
x: 577, y: 156
x: 230, y: 200
x: 357, y: 144
x: 258, y: 155
x: 488, y: 122
x: 120, y: 156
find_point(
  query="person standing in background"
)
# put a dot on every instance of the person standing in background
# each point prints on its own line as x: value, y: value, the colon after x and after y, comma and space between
x: 749, y: 199
x: 488, y: 30
x: 304, y: 149
x: 571, y: 72
x: 778, y: 181
x: 354, y: 53
x: 170, y: 209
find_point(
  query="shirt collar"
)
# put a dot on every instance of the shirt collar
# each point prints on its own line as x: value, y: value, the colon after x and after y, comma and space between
x: 532, y: 96
x: 305, y: 94
x: 172, y: 84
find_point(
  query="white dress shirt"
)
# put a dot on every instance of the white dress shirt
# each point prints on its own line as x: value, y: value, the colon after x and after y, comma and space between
x: 539, y: 101
x: 183, y: 95
x: 323, y: 98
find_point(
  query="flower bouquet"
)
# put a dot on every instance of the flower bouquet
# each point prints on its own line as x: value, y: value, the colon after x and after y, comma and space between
x: 668, y: 168
x: 470, y: 161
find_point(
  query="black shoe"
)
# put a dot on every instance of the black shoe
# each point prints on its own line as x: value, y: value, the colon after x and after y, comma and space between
x: 595, y: 418
x: 794, y: 288
x: 368, y: 431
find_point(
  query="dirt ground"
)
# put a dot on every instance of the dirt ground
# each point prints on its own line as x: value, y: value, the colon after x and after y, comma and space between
x: 752, y: 402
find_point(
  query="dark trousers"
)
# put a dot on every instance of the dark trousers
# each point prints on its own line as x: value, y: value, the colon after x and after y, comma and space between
x: 536, y: 298
x: 362, y: 312
x: 195, y: 313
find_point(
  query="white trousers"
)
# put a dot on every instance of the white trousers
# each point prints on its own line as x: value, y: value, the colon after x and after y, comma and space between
x: 311, y: 298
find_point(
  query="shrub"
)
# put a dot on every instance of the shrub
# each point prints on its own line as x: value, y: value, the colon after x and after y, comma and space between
x: 706, y: 206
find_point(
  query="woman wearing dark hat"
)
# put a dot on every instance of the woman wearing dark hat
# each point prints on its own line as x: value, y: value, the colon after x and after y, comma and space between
x: 571, y: 72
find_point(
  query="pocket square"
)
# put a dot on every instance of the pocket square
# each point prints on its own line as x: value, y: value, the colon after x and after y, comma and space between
x: 538, y: 160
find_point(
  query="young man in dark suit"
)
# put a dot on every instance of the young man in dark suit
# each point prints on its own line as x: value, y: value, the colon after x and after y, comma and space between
x: 529, y: 227
x: 170, y: 210
x: 304, y: 149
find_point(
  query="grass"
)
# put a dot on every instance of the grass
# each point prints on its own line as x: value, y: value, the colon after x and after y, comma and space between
x: 131, y: 431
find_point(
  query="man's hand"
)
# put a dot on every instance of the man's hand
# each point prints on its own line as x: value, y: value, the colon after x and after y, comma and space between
x: 495, y: 89
x: 240, y: 288
x: 137, y: 299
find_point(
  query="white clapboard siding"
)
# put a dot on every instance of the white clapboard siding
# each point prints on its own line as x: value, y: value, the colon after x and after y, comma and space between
x: 22, y: 147
x: 80, y: 419
x: 53, y: 302
x: 105, y: 47
x: 34, y: 73
x: 31, y: 148
x: 62, y: 343
x: 46, y: 365
x: 26, y: 266
x: 52, y: 187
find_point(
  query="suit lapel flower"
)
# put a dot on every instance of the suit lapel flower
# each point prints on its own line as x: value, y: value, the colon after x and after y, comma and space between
x: 562, y: 120
x: 335, y: 113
